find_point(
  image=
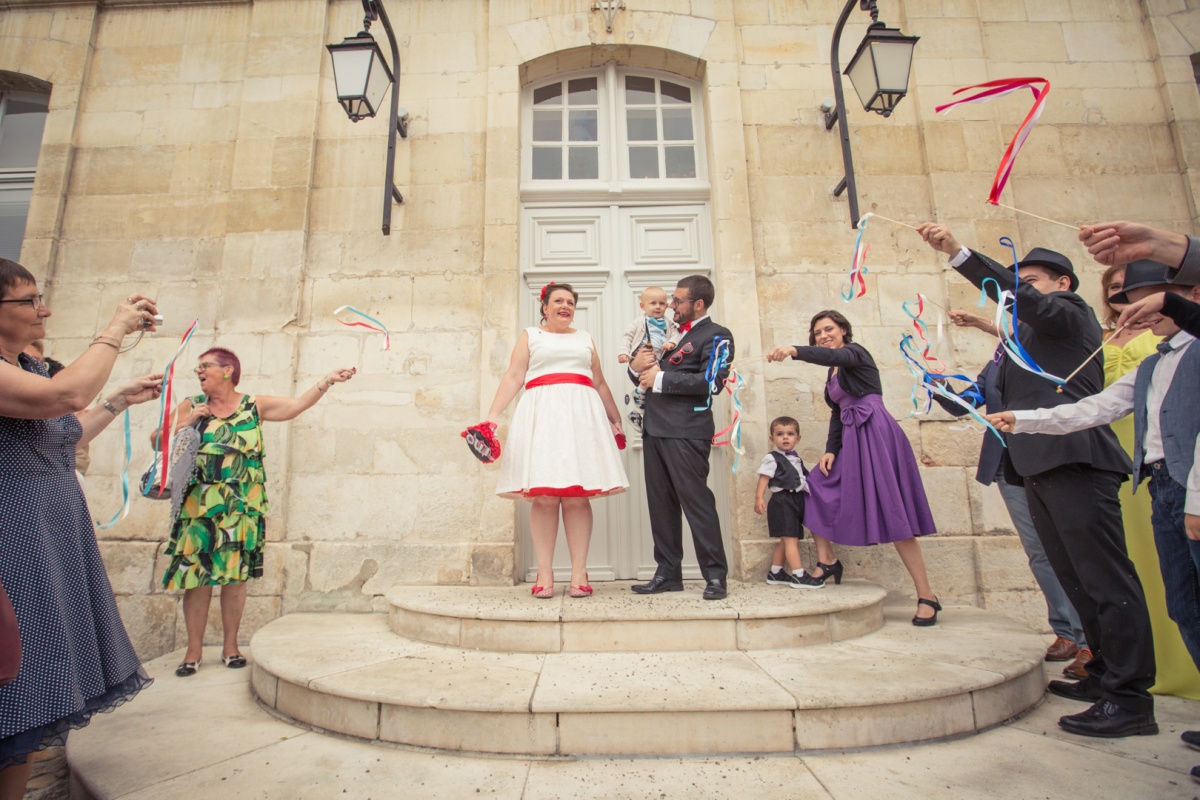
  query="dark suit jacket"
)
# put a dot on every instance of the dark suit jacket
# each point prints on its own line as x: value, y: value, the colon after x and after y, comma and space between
x: 671, y: 413
x: 1059, y: 330
x: 991, y: 452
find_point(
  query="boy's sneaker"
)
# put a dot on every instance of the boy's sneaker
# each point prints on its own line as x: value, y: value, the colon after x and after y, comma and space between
x: 806, y: 581
x: 780, y: 578
x: 635, y: 419
x: 639, y: 398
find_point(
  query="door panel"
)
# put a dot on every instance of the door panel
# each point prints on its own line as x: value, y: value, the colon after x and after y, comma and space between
x: 610, y: 254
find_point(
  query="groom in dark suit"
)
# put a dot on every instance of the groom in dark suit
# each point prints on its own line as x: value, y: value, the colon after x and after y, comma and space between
x: 1071, y: 483
x: 678, y: 430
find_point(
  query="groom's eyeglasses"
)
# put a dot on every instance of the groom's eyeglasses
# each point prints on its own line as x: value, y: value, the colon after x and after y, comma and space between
x: 677, y: 356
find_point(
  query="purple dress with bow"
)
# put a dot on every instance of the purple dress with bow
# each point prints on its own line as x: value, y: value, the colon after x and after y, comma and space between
x: 873, y: 494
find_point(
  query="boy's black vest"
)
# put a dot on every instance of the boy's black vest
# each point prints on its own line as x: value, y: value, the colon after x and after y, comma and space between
x: 786, y: 477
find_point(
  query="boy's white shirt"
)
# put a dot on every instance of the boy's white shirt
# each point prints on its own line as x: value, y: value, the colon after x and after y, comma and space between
x: 768, y: 465
x: 1116, y: 402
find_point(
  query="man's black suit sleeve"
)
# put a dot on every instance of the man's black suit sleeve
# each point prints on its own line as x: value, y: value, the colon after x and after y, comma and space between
x: 1049, y: 314
x: 1184, y: 312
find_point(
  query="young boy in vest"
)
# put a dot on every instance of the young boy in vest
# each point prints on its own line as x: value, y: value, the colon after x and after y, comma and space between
x: 784, y: 473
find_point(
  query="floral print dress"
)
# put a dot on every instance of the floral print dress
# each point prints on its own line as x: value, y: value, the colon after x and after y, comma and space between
x: 219, y: 534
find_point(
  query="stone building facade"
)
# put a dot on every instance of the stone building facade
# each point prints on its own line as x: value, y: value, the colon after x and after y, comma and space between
x: 194, y: 150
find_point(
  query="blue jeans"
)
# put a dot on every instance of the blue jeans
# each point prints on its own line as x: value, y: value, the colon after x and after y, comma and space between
x: 1178, y: 556
x: 1064, y: 620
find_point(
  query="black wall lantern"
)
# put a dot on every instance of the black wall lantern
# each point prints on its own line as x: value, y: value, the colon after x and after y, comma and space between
x: 879, y: 72
x: 361, y: 76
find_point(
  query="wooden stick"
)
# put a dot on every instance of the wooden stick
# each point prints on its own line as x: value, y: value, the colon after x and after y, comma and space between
x: 1087, y: 360
x: 1038, y: 216
x: 893, y: 221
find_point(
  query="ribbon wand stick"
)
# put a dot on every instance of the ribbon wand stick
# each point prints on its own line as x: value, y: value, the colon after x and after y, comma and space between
x: 1088, y: 360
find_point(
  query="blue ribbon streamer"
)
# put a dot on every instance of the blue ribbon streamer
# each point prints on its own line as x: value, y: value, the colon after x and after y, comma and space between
x: 1006, y: 323
x: 123, y: 511
x: 966, y: 399
x: 718, y: 359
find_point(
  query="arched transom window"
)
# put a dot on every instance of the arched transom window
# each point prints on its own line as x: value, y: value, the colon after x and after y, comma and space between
x: 612, y: 126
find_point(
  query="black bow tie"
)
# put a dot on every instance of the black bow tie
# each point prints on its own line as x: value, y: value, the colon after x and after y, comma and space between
x: 1165, y: 347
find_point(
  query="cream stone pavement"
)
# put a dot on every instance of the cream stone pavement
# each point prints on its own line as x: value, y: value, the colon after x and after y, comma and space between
x: 207, y: 737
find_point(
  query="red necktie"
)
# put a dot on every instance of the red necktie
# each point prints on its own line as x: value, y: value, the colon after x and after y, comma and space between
x: 685, y: 327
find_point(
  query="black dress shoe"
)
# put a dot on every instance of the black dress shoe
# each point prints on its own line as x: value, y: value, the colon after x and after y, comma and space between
x: 1108, y: 720
x: 657, y: 584
x: 1191, y: 739
x: 715, y: 590
x: 1086, y: 690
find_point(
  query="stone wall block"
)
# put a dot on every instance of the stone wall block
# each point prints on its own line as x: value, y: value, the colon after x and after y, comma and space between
x: 949, y: 560
x: 153, y: 623
x: 130, y: 566
x: 786, y: 44
x: 441, y: 207
x: 201, y: 168
x: 1026, y: 41
x: 1003, y: 565
x: 946, y: 488
x: 451, y: 52
x: 450, y: 158
x: 948, y: 37
x: 387, y: 299
x: 949, y: 445
x: 492, y: 565
x: 202, y: 62
x: 136, y: 64
x: 285, y: 55
x: 1104, y: 41
x: 349, y: 571
x: 254, y: 210
x: 291, y: 161
x: 988, y: 510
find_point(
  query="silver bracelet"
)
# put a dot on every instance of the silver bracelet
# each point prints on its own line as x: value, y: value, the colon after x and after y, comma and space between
x: 110, y: 407
x: 319, y: 389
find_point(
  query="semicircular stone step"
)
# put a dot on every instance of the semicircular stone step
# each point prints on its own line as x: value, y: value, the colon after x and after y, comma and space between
x: 352, y: 675
x: 752, y: 617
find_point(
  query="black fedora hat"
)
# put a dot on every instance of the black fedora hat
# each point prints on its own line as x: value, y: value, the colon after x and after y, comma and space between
x: 1140, y: 274
x: 1055, y: 262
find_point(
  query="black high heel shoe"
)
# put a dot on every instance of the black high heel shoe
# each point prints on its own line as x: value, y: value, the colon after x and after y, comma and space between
x: 833, y: 570
x: 927, y: 622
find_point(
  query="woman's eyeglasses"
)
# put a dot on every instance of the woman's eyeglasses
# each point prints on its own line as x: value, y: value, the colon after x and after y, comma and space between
x: 203, y: 365
x: 677, y: 356
x: 34, y: 302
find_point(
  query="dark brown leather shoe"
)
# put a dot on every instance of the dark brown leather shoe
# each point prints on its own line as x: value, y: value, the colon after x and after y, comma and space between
x: 1061, y: 650
x: 1077, y: 669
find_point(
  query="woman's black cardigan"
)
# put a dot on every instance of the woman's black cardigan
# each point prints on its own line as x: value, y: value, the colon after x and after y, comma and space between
x: 857, y: 375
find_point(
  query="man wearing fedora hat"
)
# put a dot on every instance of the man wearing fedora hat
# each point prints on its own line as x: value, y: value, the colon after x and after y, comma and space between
x: 1161, y: 394
x: 1071, y: 483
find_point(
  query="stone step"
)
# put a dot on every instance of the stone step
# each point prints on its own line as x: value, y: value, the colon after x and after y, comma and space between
x: 352, y: 675
x: 752, y: 617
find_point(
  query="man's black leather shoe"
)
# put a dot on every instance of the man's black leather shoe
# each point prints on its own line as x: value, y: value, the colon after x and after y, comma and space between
x: 1087, y: 690
x: 715, y: 590
x: 1108, y: 720
x: 657, y: 584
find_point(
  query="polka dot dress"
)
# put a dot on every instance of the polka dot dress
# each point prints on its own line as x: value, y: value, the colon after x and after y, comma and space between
x: 77, y: 659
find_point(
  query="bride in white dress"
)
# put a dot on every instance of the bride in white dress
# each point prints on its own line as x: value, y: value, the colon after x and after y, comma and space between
x: 561, y: 449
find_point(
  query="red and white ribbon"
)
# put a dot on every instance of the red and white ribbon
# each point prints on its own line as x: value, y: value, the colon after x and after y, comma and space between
x: 998, y: 88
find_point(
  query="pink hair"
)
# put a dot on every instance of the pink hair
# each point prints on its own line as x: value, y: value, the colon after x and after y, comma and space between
x: 226, y: 358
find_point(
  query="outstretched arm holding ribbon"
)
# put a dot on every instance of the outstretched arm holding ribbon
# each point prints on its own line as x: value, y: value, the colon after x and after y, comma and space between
x: 97, y: 418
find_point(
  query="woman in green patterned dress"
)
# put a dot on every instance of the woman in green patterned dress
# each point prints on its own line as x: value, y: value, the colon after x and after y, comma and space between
x: 217, y: 538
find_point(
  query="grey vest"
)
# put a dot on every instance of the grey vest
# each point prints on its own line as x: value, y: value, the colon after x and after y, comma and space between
x: 1179, y: 419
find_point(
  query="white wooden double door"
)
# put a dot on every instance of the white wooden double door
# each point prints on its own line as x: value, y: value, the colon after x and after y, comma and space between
x: 610, y: 254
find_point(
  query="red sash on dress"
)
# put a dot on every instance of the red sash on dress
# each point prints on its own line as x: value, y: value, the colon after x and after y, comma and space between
x: 559, y: 377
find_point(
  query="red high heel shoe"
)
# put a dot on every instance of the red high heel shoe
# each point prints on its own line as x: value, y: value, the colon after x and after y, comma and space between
x: 542, y: 592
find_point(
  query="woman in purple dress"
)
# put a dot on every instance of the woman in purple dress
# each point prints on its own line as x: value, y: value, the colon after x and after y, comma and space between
x: 868, y: 489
